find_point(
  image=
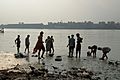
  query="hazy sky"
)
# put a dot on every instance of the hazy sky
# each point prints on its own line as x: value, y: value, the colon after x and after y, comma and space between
x: 14, y: 11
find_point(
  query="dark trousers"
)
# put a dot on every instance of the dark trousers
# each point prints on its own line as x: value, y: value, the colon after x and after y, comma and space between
x: 78, y: 50
x: 43, y: 50
x: 71, y: 50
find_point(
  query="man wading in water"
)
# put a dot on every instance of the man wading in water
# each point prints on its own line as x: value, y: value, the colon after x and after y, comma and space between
x: 17, y: 42
x: 27, y: 43
x: 78, y: 46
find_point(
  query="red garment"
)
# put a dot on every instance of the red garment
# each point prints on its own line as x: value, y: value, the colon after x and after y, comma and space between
x: 39, y: 45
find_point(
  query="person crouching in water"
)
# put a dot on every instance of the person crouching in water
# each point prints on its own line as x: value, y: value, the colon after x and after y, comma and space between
x: 93, y: 50
x: 78, y: 46
x: 105, y: 50
x: 39, y: 45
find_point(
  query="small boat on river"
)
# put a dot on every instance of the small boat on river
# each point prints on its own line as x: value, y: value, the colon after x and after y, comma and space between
x: 2, y: 30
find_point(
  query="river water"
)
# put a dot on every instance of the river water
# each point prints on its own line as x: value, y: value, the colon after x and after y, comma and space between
x: 102, y: 38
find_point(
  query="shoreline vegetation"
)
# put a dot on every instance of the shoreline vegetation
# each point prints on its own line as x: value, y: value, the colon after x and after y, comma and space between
x: 65, y: 25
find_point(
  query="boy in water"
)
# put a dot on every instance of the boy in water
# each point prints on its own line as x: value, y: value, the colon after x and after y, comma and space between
x: 52, y: 46
x: 78, y: 46
x: 27, y: 43
x: 68, y: 45
x: 17, y: 42
x: 48, y: 44
x: 72, y: 45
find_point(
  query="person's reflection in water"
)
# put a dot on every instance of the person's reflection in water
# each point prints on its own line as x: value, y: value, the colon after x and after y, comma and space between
x: 38, y: 61
x: 28, y: 57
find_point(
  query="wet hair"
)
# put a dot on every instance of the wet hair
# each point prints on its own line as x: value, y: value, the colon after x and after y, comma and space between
x: 99, y: 48
x: 68, y: 36
x: 41, y: 32
x: 48, y: 37
x: 18, y: 35
x: 72, y: 35
x: 28, y: 35
x: 89, y: 47
x: 77, y: 34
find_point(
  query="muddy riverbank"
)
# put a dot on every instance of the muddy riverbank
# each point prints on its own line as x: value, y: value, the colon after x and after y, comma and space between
x: 85, y: 68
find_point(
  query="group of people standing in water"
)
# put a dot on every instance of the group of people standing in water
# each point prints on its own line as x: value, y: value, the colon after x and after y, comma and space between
x: 18, y: 41
x: 93, y: 49
x: 71, y: 45
x: 39, y: 45
x: 50, y: 47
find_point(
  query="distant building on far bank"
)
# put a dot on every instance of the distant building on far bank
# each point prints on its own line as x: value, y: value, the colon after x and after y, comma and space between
x: 68, y: 25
